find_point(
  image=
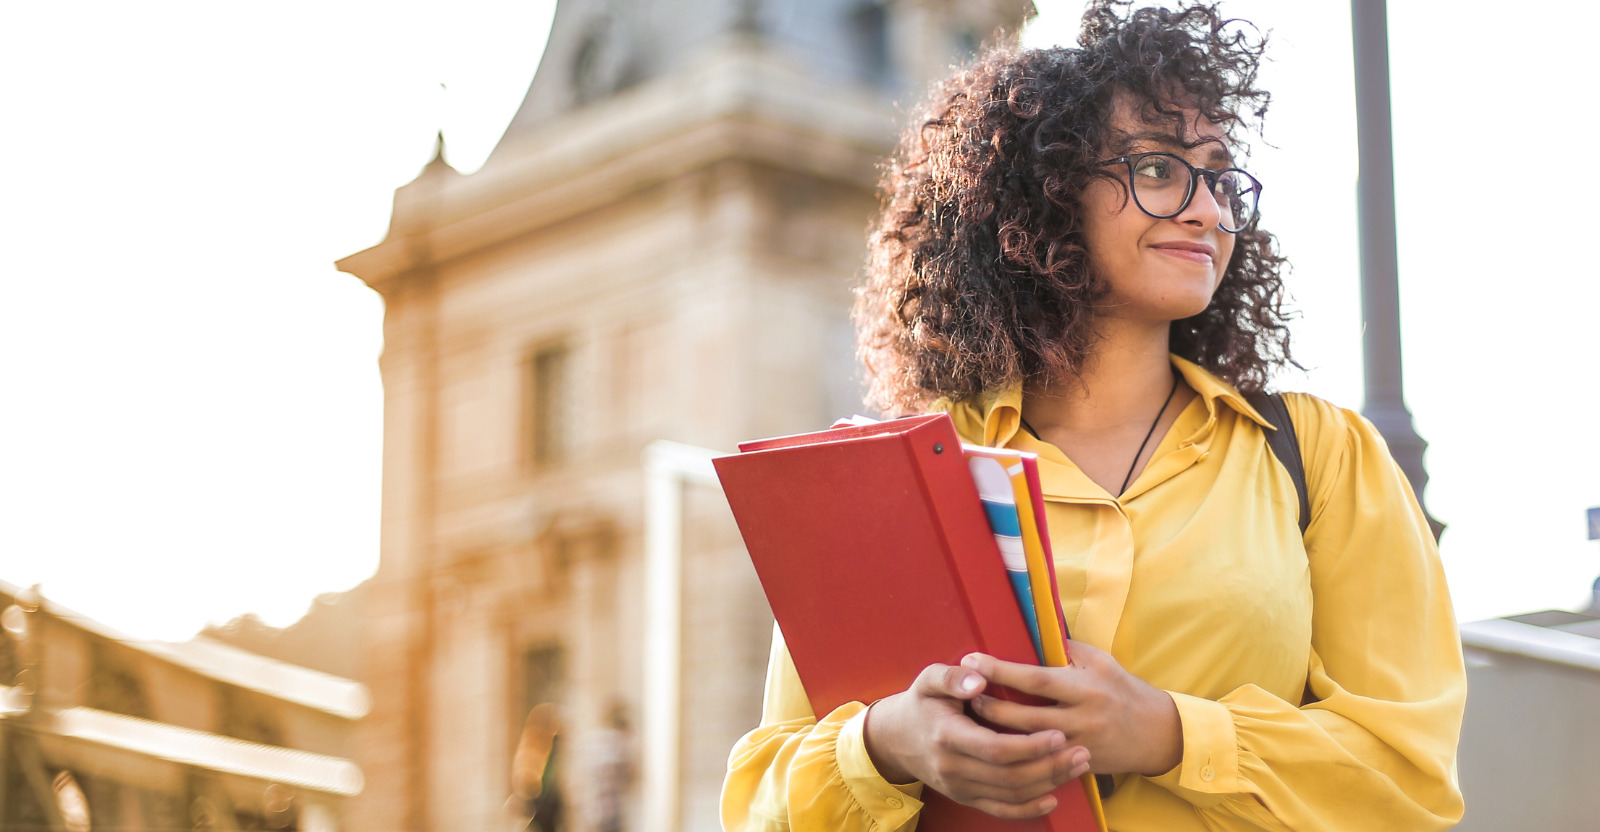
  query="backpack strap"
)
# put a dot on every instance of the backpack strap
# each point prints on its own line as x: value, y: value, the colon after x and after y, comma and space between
x: 1285, y: 445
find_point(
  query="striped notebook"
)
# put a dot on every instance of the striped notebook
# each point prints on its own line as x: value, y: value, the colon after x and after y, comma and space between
x: 1008, y: 485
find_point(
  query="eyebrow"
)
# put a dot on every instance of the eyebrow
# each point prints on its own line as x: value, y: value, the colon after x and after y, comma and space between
x: 1219, y: 155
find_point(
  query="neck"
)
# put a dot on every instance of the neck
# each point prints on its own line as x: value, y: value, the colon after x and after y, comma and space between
x: 1126, y: 378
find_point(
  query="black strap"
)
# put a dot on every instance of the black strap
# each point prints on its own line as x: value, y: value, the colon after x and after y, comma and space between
x: 1285, y: 445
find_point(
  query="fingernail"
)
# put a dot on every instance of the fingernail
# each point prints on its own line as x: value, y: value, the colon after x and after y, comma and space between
x: 969, y: 684
x: 1049, y: 804
x: 1081, y: 758
x: 1057, y: 739
x: 969, y: 660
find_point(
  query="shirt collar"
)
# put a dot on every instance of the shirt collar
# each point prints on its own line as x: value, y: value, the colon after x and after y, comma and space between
x: 995, y: 417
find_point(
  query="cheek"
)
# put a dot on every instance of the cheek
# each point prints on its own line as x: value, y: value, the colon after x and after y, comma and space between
x: 1110, y: 232
x: 1103, y: 205
x: 1225, y: 249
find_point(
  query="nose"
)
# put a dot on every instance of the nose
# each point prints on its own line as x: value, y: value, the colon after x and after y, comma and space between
x: 1203, y: 210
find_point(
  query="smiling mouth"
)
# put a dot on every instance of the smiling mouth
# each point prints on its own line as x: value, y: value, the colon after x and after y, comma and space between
x: 1189, y: 254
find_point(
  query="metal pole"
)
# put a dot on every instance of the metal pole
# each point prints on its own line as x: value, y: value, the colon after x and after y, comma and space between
x: 1380, y: 288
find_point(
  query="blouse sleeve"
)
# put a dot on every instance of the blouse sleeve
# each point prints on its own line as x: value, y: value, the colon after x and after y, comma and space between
x: 794, y: 772
x: 1373, y: 747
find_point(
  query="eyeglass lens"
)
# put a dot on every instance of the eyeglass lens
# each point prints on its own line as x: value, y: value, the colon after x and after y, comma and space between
x: 1161, y: 183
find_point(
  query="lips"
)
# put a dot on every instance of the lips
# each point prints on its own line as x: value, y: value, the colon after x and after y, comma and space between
x: 1191, y: 251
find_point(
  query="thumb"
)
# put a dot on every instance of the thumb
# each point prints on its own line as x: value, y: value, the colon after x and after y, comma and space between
x: 950, y: 682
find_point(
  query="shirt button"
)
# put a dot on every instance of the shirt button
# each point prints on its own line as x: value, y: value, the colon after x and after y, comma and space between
x: 894, y: 803
x: 1207, y: 773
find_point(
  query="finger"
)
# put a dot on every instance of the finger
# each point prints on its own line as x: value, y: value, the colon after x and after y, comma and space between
x: 949, y: 682
x: 969, y: 739
x: 1028, y: 719
x: 1079, y: 768
x: 1083, y: 653
x: 1014, y: 784
x: 983, y: 781
x: 1050, y: 682
x: 1019, y: 782
x: 1032, y: 809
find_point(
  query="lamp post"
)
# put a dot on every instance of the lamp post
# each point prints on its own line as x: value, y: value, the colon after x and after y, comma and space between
x: 1380, y: 289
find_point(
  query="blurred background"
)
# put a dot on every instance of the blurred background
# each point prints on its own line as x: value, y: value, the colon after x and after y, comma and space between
x: 431, y: 591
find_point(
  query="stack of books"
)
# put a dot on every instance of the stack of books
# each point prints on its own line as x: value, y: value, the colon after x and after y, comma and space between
x: 884, y: 547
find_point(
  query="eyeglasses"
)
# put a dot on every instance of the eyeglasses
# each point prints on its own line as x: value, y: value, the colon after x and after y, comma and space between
x: 1161, y: 189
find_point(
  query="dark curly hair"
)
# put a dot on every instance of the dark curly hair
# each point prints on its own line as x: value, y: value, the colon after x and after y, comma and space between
x: 978, y: 275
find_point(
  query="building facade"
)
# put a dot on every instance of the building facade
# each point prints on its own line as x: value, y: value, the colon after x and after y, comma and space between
x: 99, y: 730
x: 662, y: 248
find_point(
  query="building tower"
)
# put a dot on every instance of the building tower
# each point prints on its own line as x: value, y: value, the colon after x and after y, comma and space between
x: 662, y: 246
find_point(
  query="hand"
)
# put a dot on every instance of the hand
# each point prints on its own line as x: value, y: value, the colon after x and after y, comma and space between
x: 925, y: 734
x: 1127, y: 724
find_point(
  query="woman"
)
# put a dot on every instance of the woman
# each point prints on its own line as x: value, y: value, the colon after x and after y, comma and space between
x: 1068, y: 264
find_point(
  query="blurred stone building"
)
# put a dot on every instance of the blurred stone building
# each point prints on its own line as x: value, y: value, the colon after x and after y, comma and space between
x: 662, y: 247
x: 99, y: 730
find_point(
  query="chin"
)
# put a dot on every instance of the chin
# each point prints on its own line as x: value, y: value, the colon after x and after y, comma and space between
x: 1186, y: 315
x: 1185, y: 304
x: 1165, y: 296
x: 1194, y: 307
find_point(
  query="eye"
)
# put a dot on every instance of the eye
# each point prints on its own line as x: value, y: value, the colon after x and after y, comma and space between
x: 1157, y: 168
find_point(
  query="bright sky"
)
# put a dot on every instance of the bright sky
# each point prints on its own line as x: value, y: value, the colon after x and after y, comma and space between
x: 191, y: 425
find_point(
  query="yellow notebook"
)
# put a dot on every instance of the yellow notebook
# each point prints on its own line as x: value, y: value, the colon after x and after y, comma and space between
x: 1041, y: 573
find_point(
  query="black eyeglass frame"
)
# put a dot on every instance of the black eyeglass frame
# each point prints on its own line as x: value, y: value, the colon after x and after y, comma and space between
x: 1195, y: 174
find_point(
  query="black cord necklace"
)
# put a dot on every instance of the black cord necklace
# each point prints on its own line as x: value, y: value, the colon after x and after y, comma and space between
x: 1148, y: 434
x: 1136, y: 454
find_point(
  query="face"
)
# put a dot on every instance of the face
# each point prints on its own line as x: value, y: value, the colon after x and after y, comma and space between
x: 1157, y: 270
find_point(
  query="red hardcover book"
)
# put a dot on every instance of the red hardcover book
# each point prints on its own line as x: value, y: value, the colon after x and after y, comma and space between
x: 877, y: 560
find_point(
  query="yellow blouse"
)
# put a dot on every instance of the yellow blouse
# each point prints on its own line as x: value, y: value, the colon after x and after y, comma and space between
x: 1319, y: 680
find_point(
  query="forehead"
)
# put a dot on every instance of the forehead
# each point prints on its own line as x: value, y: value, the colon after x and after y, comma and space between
x: 1135, y: 125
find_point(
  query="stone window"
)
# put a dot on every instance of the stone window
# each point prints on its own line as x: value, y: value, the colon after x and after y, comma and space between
x: 537, y: 764
x: 247, y: 715
x: 967, y: 43
x: 548, y: 404
x: 869, y: 31
x: 588, y: 64
x: 114, y: 682
x: 543, y: 668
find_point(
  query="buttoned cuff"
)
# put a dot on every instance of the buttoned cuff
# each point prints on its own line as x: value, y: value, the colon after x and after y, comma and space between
x: 889, y: 804
x: 1209, y: 770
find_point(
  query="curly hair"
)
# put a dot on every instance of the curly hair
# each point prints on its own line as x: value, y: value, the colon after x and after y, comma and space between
x: 978, y: 275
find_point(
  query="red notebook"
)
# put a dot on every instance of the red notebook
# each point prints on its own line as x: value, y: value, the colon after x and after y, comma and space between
x: 877, y: 560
